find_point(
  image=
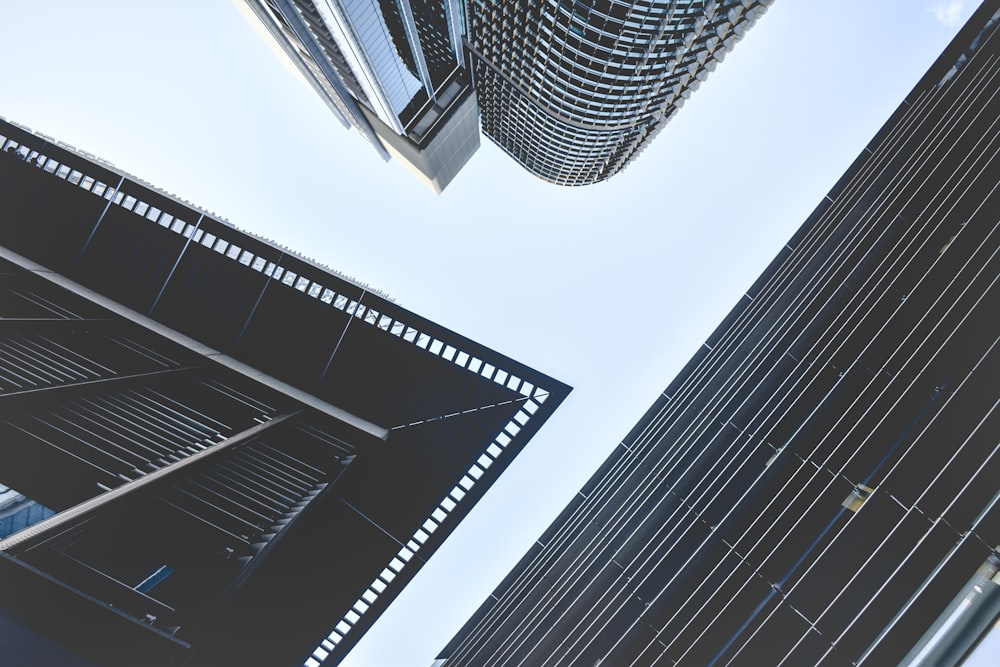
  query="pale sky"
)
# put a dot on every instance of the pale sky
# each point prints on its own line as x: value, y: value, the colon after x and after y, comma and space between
x: 609, y: 288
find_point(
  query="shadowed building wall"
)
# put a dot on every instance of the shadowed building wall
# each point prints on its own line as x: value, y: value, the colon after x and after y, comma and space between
x: 215, y: 451
x: 819, y: 485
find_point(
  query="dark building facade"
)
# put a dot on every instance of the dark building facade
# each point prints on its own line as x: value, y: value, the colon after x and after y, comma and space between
x: 819, y: 485
x: 573, y: 89
x: 214, y: 451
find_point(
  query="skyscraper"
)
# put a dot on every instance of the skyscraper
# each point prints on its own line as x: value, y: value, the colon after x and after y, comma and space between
x: 573, y: 90
x: 819, y: 485
x: 215, y: 451
x: 395, y: 71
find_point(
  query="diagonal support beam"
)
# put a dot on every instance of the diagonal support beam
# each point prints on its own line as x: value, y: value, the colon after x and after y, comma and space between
x: 54, y: 524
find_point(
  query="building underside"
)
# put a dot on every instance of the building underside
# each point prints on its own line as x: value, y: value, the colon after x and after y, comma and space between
x: 215, y: 451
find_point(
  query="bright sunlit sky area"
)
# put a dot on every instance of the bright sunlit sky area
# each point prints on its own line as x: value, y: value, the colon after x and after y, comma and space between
x: 609, y: 288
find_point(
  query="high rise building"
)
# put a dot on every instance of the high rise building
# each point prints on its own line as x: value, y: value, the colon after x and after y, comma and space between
x: 395, y: 71
x: 573, y: 89
x: 819, y: 485
x: 215, y: 451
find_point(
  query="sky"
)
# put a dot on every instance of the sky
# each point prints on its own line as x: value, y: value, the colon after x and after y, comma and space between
x: 610, y: 288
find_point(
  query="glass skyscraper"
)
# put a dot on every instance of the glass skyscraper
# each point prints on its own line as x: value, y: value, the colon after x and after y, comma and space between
x: 392, y: 69
x: 570, y: 89
x: 574, y: 89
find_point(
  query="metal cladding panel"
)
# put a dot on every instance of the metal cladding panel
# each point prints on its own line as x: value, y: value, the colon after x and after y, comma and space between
x: 208, y: 299
x: 819, y: 482
x: 384, y: 378
x: 400, y: 484
x: 26, y: 194
x: 126, y: 261
x: 296, y: 354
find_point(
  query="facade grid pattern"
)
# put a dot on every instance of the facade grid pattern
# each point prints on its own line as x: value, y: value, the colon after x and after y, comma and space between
x: 819, y: 484
x: 573, y: 89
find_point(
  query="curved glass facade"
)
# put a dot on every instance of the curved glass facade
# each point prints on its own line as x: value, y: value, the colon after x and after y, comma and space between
x: 573, y: 89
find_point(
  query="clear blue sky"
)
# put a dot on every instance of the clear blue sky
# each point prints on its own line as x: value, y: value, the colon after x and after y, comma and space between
x: 609, y: 288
